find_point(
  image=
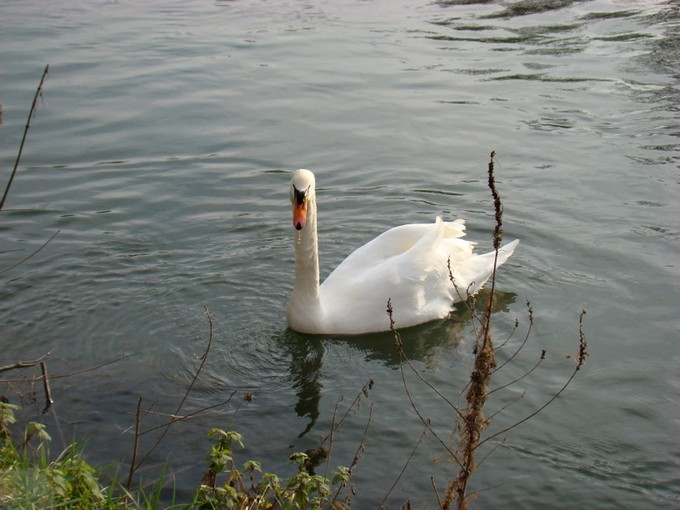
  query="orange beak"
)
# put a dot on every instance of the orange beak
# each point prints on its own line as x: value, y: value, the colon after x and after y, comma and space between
x: 299, y: 214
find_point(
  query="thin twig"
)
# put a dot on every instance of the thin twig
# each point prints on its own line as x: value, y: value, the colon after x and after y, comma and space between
x: 425, y: 421
x: 472, y: 424
x: 580, y: 361
x: 488, y: 454
x: 363, y: 391
x: 62, y: 376
x: 357, y: 455
x: 135, y: 446
x: 32, y: 254
x: 403, y: 469
x: 467, y: 300
x: 38, y: 93
x: 331, y: 435
x: 427, y: 383
x: 488, y: 420
x: 335, y: 424
x: 23, y: 364
x: 542, y: 357
x: 46, y: 387
x: 509, y: 336
x: 199, y: 412
x: 530, y: 311
x: 436, y: 492
x: 167, y: 426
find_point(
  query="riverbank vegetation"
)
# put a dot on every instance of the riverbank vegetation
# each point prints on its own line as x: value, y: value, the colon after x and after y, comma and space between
x: 33, y: 476
x: 30, y: 478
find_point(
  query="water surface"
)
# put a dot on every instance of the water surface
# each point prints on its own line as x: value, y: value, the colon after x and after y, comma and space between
x: 161, y: 154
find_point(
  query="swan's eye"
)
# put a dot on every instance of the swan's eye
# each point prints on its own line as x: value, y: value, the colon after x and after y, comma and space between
x: 299, y: 196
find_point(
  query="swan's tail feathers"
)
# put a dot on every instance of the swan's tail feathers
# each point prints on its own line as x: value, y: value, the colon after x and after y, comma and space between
x: 479, y: 268
x: 454, y: 228
x: 487, y: 260
x: 504, y: 252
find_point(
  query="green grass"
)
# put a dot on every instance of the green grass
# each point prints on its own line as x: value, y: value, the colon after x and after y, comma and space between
x: 29, y: 479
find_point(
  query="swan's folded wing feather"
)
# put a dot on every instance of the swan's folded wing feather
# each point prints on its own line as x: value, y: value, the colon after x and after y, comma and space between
x: 392, y: 243
x: 406, y: 264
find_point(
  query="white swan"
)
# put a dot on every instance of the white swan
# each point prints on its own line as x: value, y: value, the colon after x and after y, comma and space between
x: 407, y: 264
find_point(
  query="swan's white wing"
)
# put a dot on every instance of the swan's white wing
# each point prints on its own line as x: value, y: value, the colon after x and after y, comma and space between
x: 407, y: 265
x: 392, y: 243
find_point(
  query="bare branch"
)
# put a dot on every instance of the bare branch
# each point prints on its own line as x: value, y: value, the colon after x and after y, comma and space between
x: 23, y: 364
x: 525, y: 374
x: 403, y: 469
x: 31, y: 255
x: 580, y: 361
x: 175, y: 417
x: 46, y: 386
x: 167, y: 425
x: 425, y: 421
x: 38, y: 93
x: 473, y: 423
x: 524, y: 341
x: 135, y: 447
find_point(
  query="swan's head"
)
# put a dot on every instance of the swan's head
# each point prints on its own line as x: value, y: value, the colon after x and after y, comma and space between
x: 301, y: 194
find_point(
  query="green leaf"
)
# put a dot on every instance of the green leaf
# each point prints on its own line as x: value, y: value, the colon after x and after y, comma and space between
x: 252, y: 465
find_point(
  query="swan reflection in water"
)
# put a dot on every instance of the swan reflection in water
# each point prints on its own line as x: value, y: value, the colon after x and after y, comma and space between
x: 420, y: 343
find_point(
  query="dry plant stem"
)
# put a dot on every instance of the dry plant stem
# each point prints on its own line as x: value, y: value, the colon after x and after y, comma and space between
x: 488, y: 454
x: 135, y: 446
x: 403, y: 469
x: 23, y: 364
x: 512, y: 402
x: 466, y: 299
x: 204, y: 358
x: 357, y: 457
x: 436, y: 492
x: 582, y: 354
x: 425, y: 421
x: 32, y: 254
x: 331, y: 437
x: 509, y: 336
x: 335, y: 424
x: 473, y: 422
x: 46, y: 386
x: 38, y: 93
x: 184, y: 417
x: 96, y: 367
x: 524, y: 341
x: 364, y: 391
x: 427, y: 383
x: 520, y: 377
x: 497, y: 236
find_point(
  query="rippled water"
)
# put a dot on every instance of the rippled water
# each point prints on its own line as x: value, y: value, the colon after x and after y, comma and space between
x: 161, y: 153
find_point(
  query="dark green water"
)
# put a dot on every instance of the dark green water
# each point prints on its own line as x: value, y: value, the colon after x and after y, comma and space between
x: 161, y: 154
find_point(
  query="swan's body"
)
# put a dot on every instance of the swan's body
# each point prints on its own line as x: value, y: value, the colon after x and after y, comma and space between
x: 406, y: 264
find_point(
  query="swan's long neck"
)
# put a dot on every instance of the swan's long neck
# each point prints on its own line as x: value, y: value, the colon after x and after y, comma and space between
x: 307, y: 257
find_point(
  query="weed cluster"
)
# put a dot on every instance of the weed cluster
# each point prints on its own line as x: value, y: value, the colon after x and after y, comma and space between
x: 30, y: 480
x: 244, y: 489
